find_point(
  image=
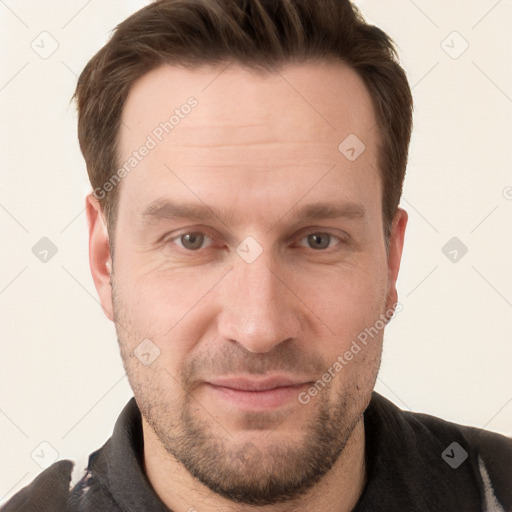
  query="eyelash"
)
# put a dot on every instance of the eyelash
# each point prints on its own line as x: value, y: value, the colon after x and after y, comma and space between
x: 327, y: 250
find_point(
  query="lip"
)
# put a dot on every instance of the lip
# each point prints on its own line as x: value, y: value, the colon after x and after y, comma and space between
x: 256, y: 384
x: 257, y: 393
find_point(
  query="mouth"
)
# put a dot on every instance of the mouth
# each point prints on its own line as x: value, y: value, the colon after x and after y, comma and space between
x: 250, y: 393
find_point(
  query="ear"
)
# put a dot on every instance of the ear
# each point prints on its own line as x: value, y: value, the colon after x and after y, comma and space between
x: 396, y: 244
x: 100, y: 259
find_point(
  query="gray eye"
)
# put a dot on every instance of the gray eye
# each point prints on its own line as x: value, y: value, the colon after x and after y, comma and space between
x: 319, y: 240
x: 192, y: 241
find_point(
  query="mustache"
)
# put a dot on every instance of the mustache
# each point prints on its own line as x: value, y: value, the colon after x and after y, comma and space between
x: 235, y: 359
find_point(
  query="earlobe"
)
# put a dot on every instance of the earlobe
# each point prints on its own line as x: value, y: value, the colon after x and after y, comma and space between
x: 100, y: 260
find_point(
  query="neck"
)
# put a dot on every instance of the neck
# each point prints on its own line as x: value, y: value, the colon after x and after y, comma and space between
x: 338, y: 491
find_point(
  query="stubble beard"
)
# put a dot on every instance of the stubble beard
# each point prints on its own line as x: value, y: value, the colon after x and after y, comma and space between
x: 248, y: 472
x: 278, y: 472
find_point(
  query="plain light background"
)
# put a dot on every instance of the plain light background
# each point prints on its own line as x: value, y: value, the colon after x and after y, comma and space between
x: 448, y: 353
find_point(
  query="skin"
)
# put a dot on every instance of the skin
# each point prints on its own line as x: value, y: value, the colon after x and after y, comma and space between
x: 258, y: 147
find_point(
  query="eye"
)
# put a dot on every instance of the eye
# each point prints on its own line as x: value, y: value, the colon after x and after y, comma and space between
x: 191, y: 241
x: 194, y: 241
x: 320, y: 241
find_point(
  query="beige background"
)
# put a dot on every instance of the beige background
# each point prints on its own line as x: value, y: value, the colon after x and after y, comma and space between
x: 449, y: 351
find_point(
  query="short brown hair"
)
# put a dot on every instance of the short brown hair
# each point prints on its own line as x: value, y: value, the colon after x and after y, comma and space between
x: 261, y: 34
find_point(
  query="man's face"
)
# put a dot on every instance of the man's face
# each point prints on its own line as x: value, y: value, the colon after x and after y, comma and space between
x: 254, y: 155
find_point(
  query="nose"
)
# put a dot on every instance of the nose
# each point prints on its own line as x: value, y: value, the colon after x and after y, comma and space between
x: 259, y: 309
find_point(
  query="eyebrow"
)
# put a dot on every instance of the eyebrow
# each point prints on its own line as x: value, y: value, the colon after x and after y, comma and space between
x: 163, y: 209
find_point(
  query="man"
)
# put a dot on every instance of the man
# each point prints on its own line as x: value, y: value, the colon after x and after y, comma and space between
x: 247, y: 161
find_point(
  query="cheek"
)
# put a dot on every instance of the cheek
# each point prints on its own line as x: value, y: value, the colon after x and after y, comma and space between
x: 156, y: 310
x: 164, y: 305
x: 347, y: 300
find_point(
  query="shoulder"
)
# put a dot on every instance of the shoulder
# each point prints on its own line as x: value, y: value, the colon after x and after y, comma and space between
x: 488, y: 453
x: 493, y: 452
x: 52, y: 491
x: 48, y: 492
x: 495, y: 449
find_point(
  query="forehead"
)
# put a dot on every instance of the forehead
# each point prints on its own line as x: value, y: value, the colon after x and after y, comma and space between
x: 329, y: 95
x: 250, y: 131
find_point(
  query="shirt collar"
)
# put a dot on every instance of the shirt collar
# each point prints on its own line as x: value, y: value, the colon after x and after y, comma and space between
x: 404, y: 467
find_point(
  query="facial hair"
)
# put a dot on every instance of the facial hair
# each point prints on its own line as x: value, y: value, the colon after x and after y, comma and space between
x: 244, y: 472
